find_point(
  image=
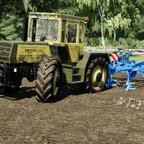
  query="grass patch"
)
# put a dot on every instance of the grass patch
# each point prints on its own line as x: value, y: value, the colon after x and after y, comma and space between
x: 137, y: 58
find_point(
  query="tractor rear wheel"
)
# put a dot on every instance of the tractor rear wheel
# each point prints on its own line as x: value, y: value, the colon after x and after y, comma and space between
x: 48, y: 82
x: 96, y: 75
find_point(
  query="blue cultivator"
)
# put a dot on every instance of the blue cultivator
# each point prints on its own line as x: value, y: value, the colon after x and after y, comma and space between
x: 124, y: 65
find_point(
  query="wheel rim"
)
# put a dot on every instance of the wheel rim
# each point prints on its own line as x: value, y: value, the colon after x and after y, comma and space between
x: 98, y: 77
x: 56, y: 81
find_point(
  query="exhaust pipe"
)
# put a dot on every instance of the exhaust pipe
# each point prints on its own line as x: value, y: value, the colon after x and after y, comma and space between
x: 25, y: 20
x: 25, y: 27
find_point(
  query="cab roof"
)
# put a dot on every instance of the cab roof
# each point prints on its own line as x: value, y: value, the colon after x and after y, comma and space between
x: 57, y: 15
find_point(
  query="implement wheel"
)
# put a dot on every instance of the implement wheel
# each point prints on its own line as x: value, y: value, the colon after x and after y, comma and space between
x: 96, y: 75
x: 48, y: 82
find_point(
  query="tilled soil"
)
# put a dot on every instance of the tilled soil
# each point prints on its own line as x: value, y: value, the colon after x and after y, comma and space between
x: 113, y: 116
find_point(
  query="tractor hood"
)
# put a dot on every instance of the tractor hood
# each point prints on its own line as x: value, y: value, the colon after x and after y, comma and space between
x: 19, y: 51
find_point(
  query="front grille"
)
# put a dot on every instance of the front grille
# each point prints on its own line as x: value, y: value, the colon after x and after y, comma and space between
x: 5, y: 51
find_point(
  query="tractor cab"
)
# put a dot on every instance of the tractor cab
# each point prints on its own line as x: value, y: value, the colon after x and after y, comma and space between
x: 52, y: 27
x: 63, y: 33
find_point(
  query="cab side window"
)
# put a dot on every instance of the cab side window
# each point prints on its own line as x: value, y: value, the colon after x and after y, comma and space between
x: 72, y: 32
x: 81, y: 38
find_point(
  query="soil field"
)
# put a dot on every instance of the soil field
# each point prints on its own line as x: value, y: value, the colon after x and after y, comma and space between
x: 113, y: 116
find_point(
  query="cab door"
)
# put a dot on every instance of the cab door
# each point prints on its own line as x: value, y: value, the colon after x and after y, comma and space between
x: 74, y: 40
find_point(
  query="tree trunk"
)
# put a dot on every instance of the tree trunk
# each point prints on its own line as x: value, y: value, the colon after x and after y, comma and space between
x: 114, y: 38
x: 103, y: 38
x: 101, y: 10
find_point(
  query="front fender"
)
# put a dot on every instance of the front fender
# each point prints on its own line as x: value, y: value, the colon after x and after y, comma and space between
x: 85, y: 61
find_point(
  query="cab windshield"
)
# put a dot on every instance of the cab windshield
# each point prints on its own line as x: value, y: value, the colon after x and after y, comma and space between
x: 44, y: 29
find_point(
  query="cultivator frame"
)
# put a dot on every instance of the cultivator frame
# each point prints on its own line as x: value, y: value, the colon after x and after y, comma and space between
x: 124, y: 65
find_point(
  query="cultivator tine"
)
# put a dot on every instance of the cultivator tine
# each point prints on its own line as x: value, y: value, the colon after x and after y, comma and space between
x: 128, y: 83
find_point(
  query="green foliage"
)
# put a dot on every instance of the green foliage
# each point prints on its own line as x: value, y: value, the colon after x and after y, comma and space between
x: 128, y: 43
x: 68, y: 7
x: 93, y: 41
x: 122, y: 21
x: 122, y: 42
x: 117, y: 22
x: 135, y: 44
x: 131, y: 43
x: 11, y: 27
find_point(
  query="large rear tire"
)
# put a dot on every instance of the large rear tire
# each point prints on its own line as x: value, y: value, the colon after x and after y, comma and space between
x: 48, y: 82
x: 96, y: 75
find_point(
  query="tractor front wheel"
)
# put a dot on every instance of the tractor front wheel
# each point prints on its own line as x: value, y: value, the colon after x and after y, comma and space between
x: 48, y: 82
x: 96, y: 75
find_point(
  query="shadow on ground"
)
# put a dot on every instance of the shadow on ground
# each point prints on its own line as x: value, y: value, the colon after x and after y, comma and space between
x: 67, y: 91
x: 22, y: 93
x: 29, y: 92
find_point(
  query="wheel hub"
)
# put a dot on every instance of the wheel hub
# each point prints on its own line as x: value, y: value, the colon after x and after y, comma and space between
x: 99, y: 77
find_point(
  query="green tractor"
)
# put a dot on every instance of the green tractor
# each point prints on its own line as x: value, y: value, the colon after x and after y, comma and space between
x: 52, y: 55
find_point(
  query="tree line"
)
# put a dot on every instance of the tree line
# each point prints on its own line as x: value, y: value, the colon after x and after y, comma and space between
x: 110, y: 21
